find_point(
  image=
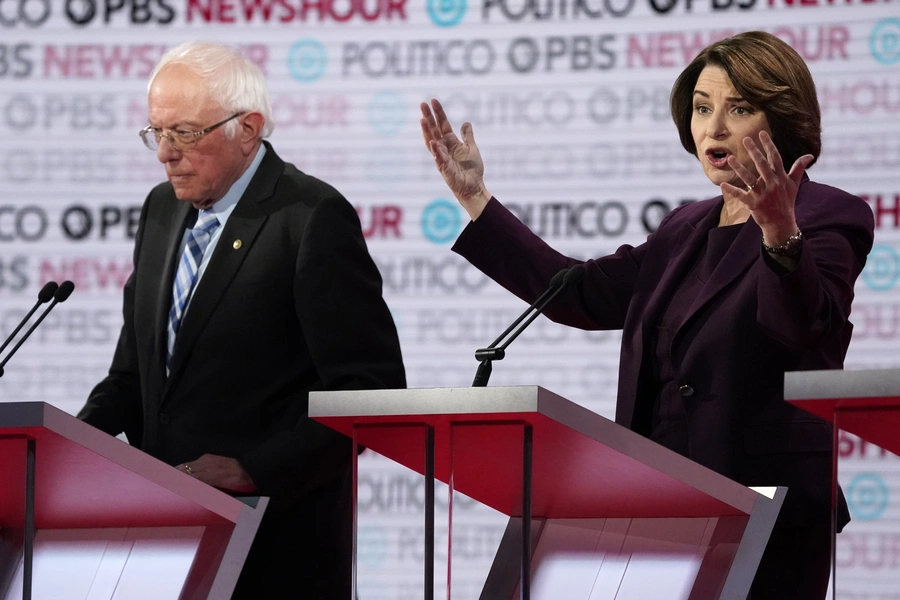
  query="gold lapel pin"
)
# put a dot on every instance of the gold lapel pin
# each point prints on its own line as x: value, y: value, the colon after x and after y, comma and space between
x: 237, y: 244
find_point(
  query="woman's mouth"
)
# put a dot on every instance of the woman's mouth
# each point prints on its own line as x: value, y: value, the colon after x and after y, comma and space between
x: 717, y: 157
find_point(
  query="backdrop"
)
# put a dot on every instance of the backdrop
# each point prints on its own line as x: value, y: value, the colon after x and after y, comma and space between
x: 569, y: 101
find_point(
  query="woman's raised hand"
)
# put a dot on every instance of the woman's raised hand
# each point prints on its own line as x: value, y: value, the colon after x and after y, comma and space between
x: 459, y: 161
x: 770, y: 196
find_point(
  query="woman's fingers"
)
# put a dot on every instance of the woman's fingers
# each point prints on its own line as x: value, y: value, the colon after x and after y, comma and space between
x: 441, y: 156
x: 773, y: 156
x: 799, y: 167
x: 747, y: 176
x: 426, y: 134
x: 759, y: 161
x: 440, y: 117
x: 468, y: 134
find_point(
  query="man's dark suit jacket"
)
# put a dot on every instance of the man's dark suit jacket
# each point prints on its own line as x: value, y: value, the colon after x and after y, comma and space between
x: 749, y: 324
x: 289, y: 302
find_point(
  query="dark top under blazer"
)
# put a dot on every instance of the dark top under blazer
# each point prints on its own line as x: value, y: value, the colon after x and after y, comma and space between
x: 747, y: 327
x: 296, y: 306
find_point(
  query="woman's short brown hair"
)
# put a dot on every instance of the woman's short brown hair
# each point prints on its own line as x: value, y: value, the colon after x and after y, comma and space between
x: 772, y: 77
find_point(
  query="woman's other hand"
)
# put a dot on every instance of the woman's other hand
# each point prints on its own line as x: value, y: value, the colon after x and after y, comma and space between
x: 459, y: 161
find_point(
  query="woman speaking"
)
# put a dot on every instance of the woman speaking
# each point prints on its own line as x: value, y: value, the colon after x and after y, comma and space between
x: 725, y: 296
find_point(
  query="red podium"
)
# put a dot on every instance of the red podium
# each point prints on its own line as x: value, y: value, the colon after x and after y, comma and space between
x: 614, y: 513
x: 84, y: 515
x: 864, y: 403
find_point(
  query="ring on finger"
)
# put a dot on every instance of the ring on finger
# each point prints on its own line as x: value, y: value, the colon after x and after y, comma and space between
x: 188, y: 470
x: 750, y: 188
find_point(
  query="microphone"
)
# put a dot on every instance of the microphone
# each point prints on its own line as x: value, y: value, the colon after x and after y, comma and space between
x: 43, y: 296
x: 558, y: 283
x: 59, y: 293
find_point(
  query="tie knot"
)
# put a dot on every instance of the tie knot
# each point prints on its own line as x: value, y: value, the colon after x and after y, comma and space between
x: 206, y: 222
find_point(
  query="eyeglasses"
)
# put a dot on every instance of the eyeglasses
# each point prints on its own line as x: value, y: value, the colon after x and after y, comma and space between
x: 181, y: 140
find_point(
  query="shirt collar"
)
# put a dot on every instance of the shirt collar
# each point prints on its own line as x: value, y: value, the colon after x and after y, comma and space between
x: 223, y: 207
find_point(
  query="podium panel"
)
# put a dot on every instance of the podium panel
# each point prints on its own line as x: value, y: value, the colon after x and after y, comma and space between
x: 110, y: 563
x: 614, y: 514
x: 866, y: 404
x: 75, y: 501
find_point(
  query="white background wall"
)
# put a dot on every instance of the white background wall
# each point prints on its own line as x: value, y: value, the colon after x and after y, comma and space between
x: 569, y: 103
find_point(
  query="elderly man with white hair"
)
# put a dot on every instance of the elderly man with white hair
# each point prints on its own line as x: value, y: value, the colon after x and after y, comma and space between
x: 252, y: 285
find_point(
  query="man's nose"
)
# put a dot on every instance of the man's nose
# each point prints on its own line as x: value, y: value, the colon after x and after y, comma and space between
x: 166, y: 151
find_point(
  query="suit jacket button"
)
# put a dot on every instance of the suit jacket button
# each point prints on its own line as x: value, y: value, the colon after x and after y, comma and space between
x: 686, y: 390
x: 164, y: 418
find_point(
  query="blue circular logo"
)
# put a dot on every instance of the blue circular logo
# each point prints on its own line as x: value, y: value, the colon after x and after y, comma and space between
x: 441, y: 221
x: 882, y: 268
x: 885, y: 41
x: 446, y: 13
x: 867, y: 496
x: 307, y: 60
x: 387, y: 112
x: 371, y: 546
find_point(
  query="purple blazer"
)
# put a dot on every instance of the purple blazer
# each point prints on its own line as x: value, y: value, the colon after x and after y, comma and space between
x: 749, y: 324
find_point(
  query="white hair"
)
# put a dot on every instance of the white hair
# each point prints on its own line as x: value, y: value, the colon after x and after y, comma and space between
x: 234, y: 83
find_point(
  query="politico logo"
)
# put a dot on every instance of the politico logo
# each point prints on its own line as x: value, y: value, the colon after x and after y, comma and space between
x: 430, y: 274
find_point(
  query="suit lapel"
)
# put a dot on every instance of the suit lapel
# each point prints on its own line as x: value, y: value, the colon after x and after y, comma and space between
x: 670, y: 262
x: 174, y: 235
x: 740, y: 255
x: 685, y: 249
x: 244, y: 224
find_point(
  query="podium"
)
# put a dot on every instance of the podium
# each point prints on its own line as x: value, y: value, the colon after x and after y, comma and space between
x: 84, y: 515
x: 865, y: 403
x: 596, y: 511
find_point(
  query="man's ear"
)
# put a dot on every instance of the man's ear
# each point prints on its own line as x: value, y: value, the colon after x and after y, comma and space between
x: 251, y: 126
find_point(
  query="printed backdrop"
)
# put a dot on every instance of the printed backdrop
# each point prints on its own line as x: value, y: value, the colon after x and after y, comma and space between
x: 569, y: 101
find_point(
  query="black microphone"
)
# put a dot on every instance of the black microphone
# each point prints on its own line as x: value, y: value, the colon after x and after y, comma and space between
x: 560, y: 281
x: 43, y: 296
x: 60, y: 294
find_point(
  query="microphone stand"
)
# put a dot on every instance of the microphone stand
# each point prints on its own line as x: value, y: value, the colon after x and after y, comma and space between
x: 488, y: 355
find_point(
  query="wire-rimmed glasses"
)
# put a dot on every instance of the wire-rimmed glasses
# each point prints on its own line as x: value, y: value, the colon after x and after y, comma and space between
x: 180, y: 139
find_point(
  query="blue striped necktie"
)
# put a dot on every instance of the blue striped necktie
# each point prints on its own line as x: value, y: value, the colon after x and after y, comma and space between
x: 186, y: 276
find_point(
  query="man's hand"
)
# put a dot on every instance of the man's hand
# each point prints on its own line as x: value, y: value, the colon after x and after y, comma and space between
x: 221, y: 472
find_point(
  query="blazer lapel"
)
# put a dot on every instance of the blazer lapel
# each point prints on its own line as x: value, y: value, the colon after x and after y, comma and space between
x: 689, y: 242
x: 174, y: 236
x: 740, y: 255
x: 672, y: 260
x: 244, y: 224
